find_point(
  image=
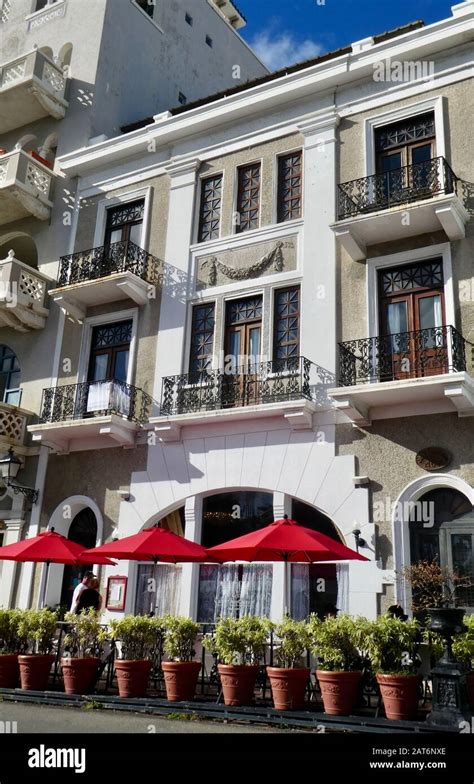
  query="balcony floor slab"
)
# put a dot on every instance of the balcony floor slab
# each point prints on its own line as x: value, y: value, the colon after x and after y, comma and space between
x: 74, y: 435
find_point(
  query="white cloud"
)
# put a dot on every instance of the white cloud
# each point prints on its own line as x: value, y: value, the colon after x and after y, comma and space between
x: 277, y: 51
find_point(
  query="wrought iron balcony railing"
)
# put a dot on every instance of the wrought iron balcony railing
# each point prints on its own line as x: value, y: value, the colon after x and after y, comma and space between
x: 96, y: 398
x: 401, y: 186
x: 106, y: 260
x: 402, y: 356
x: 261, y: 382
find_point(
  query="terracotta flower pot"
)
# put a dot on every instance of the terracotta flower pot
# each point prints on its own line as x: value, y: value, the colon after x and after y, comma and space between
x: 180, y: 679
x: 400, y: 694
x: 132, y: 677
x: 238, y: 683
x: 339, y: 691
x: 34, y: 671
x: 9, y: 671
x: 79, y: 674
x: 288, y: 687
x: 470, y: 689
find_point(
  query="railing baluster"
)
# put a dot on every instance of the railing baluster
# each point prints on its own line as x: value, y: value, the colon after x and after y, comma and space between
x: 105, y: 260
x: 73, y: 401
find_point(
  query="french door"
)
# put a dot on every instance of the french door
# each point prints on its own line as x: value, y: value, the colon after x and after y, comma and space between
x: 412, y: 318
x: 108, y: 364
x: 243, y: 346
x: 404, y: 154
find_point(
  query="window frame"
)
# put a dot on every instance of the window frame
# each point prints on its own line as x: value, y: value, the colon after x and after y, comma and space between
x: 202, y: 181
x: 281, y: 290
x: 278, y: 158
x: 236, y: 227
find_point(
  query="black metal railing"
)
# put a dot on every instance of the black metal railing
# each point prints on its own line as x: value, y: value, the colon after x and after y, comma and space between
x: 106, y: 260
x: 257, y: 383
x: 426, y: 352
x: 401, y: 186
x: 97, y: 398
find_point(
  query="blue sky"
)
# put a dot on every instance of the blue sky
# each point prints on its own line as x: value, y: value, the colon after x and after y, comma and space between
x: 288, y: 31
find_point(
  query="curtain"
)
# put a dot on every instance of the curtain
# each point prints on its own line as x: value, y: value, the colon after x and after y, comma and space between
x: 158, y: 589
x: 227, y: 592
x: 342, y: 570
x: 300, y: 594
x: 98, y: 398
x: 256, y: 590
x: 120, y: 399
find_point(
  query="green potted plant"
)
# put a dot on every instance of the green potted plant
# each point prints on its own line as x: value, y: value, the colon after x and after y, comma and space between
x: 181, y: 671
x: 83, y: 647
x: 36, y: 632
x: 463, y: 651
x: 289, y: 678
x: 337, y: 643
x: 239, y: 645
x: 392, y: 646
x: 138, y: 637
x: 9, y: 648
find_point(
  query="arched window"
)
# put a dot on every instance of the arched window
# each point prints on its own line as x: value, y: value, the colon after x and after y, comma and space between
x: 83, y: 531
x: 10, y: 391
x: 22, y: 245
x: 442, y: 530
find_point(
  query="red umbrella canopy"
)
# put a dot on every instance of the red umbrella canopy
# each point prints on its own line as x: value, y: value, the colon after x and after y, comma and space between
x: 48, y: 547
x: 284, y: 540
x: 152, y: 544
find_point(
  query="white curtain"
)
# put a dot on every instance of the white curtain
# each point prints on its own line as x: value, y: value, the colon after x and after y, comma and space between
x: 256, y: 590
x: 342, y: 571
x: 120, y: 399
x: 168, y: 589
x: 300, y: 591
x: 98, y: 398
x: 227, y: 592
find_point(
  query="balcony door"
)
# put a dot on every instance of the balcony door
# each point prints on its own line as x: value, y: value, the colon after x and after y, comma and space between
x: 109, y: 358
x: 412, y: 320
x: 123, y: 236
x: 405, y: 151
x: 243, y: 346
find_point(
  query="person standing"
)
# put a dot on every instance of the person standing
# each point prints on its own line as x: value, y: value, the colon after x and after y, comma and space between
x: 90, y: 598
x: 79, y: 589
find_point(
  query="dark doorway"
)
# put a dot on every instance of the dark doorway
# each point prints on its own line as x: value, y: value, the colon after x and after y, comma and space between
x: 83, y: 531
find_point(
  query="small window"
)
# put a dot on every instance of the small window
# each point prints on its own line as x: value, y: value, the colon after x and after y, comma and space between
x: 148, y: 6
x: 10, y: 391
x: 248, y: 198
x: 40, y: 4
x: 189, y: 20
x: 286, y: 338
x: 5, y: 7
x: 210, y: 209
x: 182, y: 99
x: 289, y: 187
x: 202, y: 339
x: 209, y: 41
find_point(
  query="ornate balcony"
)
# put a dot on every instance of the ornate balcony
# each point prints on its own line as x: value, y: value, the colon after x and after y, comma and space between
x: 292, y: 388
x: 105, y: 274
x: 31, y: 87
x: 22, y: 295
x: 405, y: 202
x: 91, y: 415
x: 25, y: 187
x: 13, y: 423
x: 404, y: 374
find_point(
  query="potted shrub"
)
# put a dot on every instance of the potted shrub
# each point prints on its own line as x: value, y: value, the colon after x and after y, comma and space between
x: 83, y: 646
x: 36, y: 633
x: 181, y: 671
x: 436, y: 598
x: 337, y: 643
x: 138, y: 636
x: 463, y: 651
x: 289, y: 678
x: 9, y: 648
x: 392, y: 646
x: 239, y: 645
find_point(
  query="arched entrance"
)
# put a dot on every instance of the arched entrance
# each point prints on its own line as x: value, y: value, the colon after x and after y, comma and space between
x: 83, y: 531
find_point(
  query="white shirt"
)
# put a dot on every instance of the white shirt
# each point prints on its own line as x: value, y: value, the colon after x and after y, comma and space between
x: 77, y: 592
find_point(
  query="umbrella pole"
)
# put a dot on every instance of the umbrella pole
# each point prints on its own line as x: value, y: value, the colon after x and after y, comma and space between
x: 43, y: 587
x: 285, y: 586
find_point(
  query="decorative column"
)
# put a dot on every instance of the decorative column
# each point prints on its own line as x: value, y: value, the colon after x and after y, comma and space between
x: 190, y: 572
x: 318, y: 293
x: 178, y: 275
x: 27, y: 572
x: 13, y: 532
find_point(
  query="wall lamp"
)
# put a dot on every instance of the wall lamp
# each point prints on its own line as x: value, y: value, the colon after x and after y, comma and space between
x: 360, y: 542
x: 10, y: 464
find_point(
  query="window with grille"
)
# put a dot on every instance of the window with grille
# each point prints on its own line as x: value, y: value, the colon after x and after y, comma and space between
x: 286, y: 343
x: 10, y: 374
x: 4, y: 10
x: 202, y: 339
x: 210, y: 209
x: 248, y: 197
x: 289, y: 187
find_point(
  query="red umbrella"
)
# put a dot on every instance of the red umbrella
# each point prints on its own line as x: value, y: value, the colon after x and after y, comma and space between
x: 153, y: 544
x: 48, y: 547
x: 285, y: 540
